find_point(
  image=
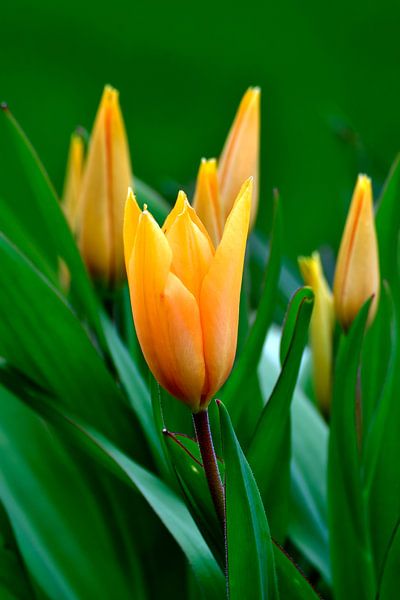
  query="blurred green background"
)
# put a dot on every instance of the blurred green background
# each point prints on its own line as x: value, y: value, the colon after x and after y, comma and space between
x: 330, y: 77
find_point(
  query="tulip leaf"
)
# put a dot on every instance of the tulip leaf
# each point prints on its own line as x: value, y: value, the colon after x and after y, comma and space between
x: 58, y: 519
x: 308, y: 528
x: 382, y: 447
x: 185, y: 457
x: 29, y: 198
x: 269, y: 450
x: 292, y: 584
x: 388, y: 228
x: 14, y: 580
x: 41, y: 336
x: 352, y: 567
x: 133, y: 384
x: 378, y: 349
x: 389, y: 581
x: 290, y: 320
x: 236, y: 392
x: 250, y: 556
x: 166, y: 505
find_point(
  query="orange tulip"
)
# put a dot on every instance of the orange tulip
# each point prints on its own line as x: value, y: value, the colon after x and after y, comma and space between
x: 73, y: 180
x: 240, y: 156
x: 321, y: 328
x: 357, y: 268
x: 106, y: 177
x: 185, y: 295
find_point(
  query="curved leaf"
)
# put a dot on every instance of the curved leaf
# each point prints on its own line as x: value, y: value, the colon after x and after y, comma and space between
x: 352, y: 567
x: 250, y: 556
x: 29, y: 197
x: 168, y: 507
x: 269, y: 450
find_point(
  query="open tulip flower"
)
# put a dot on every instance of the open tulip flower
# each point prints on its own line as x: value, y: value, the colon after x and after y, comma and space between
x: 95, y: 192
x: 218, y: 185
x: 185, y: 294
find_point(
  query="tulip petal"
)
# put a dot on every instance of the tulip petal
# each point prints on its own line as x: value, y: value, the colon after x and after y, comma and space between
x: 206, y: 201
x: 191, y: 251
x: 178, y: 208
x: 166, y: 315
x: 357, y: 271
x: 73, y: 180
x: 131, y: 220
x: 106, y: 180
x: 240, y: 155
x: 321, y: 329
x: 220, y: 294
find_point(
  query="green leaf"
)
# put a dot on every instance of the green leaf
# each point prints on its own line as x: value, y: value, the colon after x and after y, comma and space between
x: 58, y: 519
x: 292, y: 584
x: 236, y: 392
x: 186, y: 459
x: 352, y: 565
x: 388, y: 228
x: 308, y: 527
x: 42, y: 337
x: 269, y: 451
x: 29, y: 200
x: 167, y: 506
x: 382, y: 446
x: 290, y: 320
x: 134, y: 386
x: 250, y: 556
x: 389, y: 582
x: 14, y: 580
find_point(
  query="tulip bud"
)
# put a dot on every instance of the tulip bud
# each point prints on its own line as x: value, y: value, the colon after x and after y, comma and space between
x: 73, y: 180
x: 185, y: 295
x: 240, y: 155
x: 321, y: 328
x: 107, y: 176
x: 357, y: 268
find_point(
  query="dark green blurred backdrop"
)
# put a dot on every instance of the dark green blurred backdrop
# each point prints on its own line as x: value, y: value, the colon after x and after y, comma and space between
x: 329, y: 72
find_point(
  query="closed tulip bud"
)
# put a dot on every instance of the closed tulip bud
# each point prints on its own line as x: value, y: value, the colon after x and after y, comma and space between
x: 185, y: 295
x: 357, y: 268
x: 321, y: 328
x: 73, y: 180
x: 107, y: 175
x: 240, y: 155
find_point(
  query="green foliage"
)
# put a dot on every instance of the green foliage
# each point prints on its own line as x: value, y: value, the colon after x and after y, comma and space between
x: 103, y: 489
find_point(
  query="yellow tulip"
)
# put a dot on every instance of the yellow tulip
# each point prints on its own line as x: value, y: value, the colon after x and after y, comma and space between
x: 185, y: 295
x: 106, y: 177
x: 73, y: 180
x: 357, y: 268
x: 240, y: 155
x: 321, y: 328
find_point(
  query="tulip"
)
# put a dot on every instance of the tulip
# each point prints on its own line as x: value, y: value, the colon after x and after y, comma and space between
x: 73, y: 180
x: 185, y: 295
x: 107, y: 175
x: 240, y: 155
x: 321, y: 328
x: 357, y: 268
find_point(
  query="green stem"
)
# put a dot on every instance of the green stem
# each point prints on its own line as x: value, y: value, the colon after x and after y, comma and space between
x: 206, y: 446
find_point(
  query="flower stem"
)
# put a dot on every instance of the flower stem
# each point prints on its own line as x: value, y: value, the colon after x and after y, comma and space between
x: 206, y: 446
